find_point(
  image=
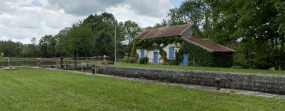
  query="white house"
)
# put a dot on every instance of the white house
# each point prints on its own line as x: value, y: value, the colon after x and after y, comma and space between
x: 183, y: 31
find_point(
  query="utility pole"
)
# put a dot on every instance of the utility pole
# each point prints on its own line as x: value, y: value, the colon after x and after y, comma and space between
x: 115, y: 45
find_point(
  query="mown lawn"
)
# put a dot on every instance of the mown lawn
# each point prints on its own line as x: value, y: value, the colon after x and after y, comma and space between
x: 40, y: 89
x: 233, y: 69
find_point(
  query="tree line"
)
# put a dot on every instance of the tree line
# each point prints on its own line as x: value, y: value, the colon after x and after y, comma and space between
x: 93, y: 36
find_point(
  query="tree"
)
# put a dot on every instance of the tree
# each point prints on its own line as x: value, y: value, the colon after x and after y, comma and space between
x: 280, y: 8
x: 79, y: 39
x: 188, y: 12
x: 32, y: 49
x: 60, y: 38
x: 8, y: 48
x: 47, y: 46
x: 121, y: 45
x: 157, y: 25
x: 175, y: 17
x: 103, y: 43
x: 255, y: 24
x: 104, y: 25
x: 131, y: 30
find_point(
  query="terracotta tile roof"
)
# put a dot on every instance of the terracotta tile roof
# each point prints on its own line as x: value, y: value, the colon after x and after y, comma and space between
x: 163, y: 32
x: 210, y: 46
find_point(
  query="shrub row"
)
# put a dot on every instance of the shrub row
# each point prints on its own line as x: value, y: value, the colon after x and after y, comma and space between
x: 130, y: 59
x: 143, y: 60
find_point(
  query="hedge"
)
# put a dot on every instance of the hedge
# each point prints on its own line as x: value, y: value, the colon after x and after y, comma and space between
x: 143, y: 60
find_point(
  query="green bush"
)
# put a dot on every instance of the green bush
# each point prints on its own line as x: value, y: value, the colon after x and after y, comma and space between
x: 172, y: 62
x: 127, y: 59
x: 132, y: 60
x: 282, y: 66
x: 143, y: 60
x: 261, y: 64
x: 244, y: 64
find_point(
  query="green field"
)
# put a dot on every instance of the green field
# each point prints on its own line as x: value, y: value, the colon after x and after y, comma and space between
x: 232, y: 69
x: 40, y: 89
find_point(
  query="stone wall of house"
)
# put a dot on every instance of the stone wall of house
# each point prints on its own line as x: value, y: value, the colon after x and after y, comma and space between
x: 254, y: 82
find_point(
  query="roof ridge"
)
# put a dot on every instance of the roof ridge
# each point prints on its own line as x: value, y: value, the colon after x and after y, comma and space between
x: 170, y: 26
x: 203, y: 44
x: 158, y: 32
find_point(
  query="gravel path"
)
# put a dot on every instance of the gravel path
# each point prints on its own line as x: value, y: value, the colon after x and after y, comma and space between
x: 236, y: 91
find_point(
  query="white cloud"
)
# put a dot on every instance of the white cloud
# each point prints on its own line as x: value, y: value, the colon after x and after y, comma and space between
x: 22, y: 20
x: 152, y: 8
x: 82, y: 7
x: 25, y: 23
x: 123, y: 13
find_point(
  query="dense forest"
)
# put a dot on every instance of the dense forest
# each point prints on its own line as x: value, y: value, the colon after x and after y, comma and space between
x: 255, y: 29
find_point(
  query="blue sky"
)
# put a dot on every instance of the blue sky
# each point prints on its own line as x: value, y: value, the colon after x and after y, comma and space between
x: 36, y: 18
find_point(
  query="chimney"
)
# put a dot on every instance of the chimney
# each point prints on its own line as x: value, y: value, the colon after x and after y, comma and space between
x: 164, y: 23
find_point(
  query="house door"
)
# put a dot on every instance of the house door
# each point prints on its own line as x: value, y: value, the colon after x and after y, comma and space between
x: 171, y: 53
x: 185, y: 60
x: 142, y: 52
x: 155, y: 58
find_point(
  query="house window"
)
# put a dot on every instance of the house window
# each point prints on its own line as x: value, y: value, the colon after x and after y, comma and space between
x: 142, y: 52
x: 171, y: 53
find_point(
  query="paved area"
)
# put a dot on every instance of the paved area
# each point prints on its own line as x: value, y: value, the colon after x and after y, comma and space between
x: 236, y: 91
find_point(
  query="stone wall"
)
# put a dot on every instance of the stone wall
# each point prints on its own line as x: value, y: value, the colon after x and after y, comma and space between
x: 254, y: 82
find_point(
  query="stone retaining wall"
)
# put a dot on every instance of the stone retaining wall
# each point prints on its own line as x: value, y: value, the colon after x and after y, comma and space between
x: 254, y: 82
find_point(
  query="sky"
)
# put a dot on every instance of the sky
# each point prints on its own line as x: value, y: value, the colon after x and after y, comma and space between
x: 22, y: 20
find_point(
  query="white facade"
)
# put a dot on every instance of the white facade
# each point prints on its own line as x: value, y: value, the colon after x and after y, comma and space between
x: 150, y: 53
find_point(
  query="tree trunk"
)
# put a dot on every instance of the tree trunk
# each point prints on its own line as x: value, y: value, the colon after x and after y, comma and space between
x: 277, y: 60
x: 272, y: 43
x: 129, y: 48
x: 281, y: 54
x: 282, y: 43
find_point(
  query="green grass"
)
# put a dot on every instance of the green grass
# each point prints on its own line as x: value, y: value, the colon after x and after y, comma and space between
x: 39, y: 89
x: 233, y: 69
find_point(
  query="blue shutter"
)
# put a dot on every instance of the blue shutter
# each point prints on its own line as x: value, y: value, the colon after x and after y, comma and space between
x: 142, y: 52
x: 171, y: 53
